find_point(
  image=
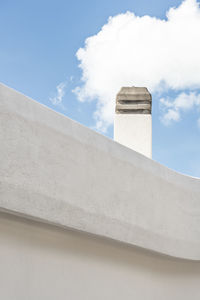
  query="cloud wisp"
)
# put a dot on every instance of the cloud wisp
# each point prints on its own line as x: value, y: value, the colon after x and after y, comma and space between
x: 173, y: 108
x: 57, y: 99
x: 141, y: 51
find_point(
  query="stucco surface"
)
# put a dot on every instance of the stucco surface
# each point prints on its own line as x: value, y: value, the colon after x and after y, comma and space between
x: 40, y: 262
x: 56, y: 170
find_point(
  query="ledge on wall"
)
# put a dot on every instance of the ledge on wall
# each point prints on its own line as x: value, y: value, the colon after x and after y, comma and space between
x: 60, y: 172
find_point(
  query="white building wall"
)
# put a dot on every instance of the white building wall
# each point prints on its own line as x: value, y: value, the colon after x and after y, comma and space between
x: 42, y: 262
x: 57, y: 171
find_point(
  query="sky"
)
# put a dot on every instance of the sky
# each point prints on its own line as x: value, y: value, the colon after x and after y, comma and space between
x: 74, y: 56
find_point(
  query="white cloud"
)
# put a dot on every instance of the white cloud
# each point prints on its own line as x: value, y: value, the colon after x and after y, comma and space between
x: 140, y: 51
x: 171, y: 115
x: 57, y: 99
x: 173, y: 108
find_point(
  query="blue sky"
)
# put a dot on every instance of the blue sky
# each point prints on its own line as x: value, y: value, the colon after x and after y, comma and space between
x: 39, y: 42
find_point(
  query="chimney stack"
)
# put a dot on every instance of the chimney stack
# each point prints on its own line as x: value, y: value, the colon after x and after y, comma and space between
x: 133, y: 122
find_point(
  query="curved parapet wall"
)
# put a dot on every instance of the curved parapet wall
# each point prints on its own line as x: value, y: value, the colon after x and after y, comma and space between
x: 58, y: 171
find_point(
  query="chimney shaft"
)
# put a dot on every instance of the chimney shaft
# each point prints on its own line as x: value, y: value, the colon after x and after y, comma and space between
x: 133, y: 122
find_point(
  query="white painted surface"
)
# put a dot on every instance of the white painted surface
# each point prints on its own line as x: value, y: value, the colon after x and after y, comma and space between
x: 60, y: 172
x: 40, y: 262
x: 134, y: 131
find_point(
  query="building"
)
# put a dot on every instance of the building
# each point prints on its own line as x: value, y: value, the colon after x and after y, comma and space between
x: 84, y: 217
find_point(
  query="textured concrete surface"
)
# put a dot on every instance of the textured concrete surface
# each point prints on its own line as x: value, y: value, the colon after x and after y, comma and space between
x: 40, y: 262
x: 133, y: 100
x: 56, y: 170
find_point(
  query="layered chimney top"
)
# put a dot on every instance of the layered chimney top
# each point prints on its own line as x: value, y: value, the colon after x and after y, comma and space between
x: 133, y: 100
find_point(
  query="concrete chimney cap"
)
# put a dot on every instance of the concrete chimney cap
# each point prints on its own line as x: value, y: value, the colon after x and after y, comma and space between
x: 133, y: 100
x: 134, y: 93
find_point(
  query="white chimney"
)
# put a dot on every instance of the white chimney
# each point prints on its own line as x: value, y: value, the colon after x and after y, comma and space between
x: 133, y: 122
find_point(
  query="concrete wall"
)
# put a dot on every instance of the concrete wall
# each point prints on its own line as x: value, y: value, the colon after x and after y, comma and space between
x: 61, y: 172
x: 56, y: 171
x: 43, y: 262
